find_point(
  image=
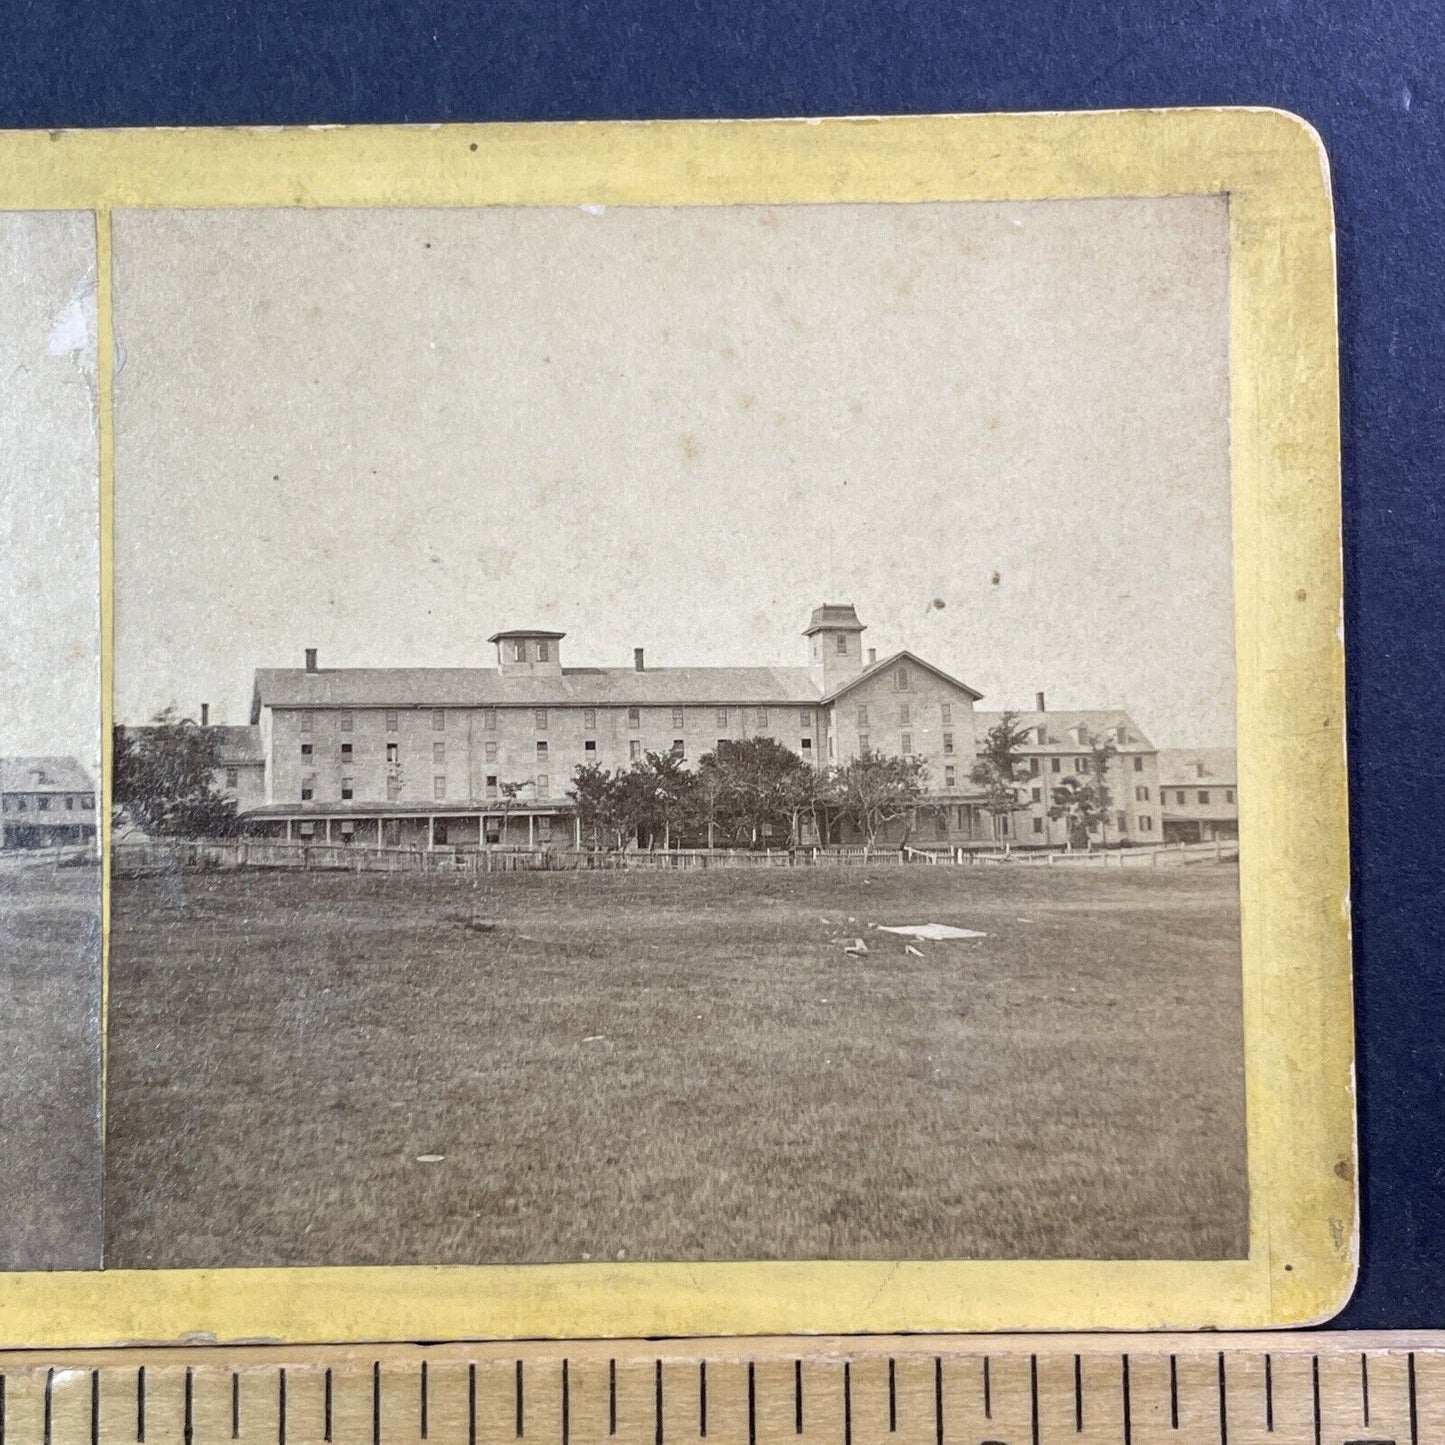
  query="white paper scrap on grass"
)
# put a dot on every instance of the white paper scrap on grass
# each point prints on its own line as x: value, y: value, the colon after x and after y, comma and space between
x: 933, y: 932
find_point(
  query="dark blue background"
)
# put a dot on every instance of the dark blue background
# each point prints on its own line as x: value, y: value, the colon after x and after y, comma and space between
x: 1369, y: 75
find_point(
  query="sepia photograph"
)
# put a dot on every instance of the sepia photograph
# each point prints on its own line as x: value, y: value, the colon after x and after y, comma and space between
x: 674, y: 733
x: 50, y: 734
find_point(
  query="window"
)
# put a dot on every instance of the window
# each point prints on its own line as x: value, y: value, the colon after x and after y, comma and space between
x: 438, y: 752
x: 905, y: 715
x: 491, y: 752
x: 230, y: 773
x: 542, y: 785
x: 1033, y: 767
x: 1141, y: 795
x: 842, y: 644
x: 392, y: 722
x: 634, y: 749
x: 1146, y: 823
x: 940, y: 822
x: 541, y: 719
x: 541, y: 750
x: 678, y: 750
x: 346, y: 752
x: 544, y: 830
x: 862, y: 715
x: 491, y: 785
x: 722, y: 717
x: 1081, y: 765
x: 519, y: 652
x: 233, y: 780
x: 1229, y: 795
x: 347, y: 788
x: 634, y: 718
x: 900, y: 679
x: 807, y: 747
x: 1204, y: 795
x: 439, y: 830
x: 45, y: 805
x: 489, y: 719
x: 762, y: 717
x: 948, y: 745
x: 494, y: 831
x: 950, y: 777
x: 590, y: 748
x: 832, y: 750
x: 305, y: 750
x: 308, y: 789
x: 393, y: 754
x: 1056, y: 765
x: 1121, y: 734
x: 1179, y: 796
x: 1138, y: 763
x: 348, y: 831
x: 1121, y: 822
x: 439, y: 786
x: 1036, y: 795
x: 1038, y: 825
x: 89, y: 800
x: 906, y: 744
x: 589, y: 718
x: 946, y: 709
x: 862, y: 742
x: 1005, y: 825
x: 305, y: 722
x: 308, y: 830
x: 439, y: 720
x: 346, y: 722
x: 542, y: 650
x: 677, y: 717
x: 22, y: 805
x: 393, y: 789
x: 805, y: 718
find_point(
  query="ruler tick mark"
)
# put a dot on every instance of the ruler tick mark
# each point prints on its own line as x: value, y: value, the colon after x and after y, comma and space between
x: 797, y: 1397
x: 521, y: 1418
x: 1078, y: 1395
x: 702, y: 1398
x: 847, y: 1403
x: 280, y: 1406
x: 938, y: 1395
x: 140, y: 1403
x: 1315, y: 1391
x: 612, y: 1397
x: 987, y: 1393
x: 566, y: 1405
x: 188, y: 1425
x: 49, y: 1391
x: 1414, y: 1413
x: 1173, y: 1392
x: 1269, y: 1393
x: 1365, y: 1385
x: 752, y: 1406
x: 1128, y: 1408
x: 657, y: 1400
x: 1034, y: 1397
x: 376, y: 1402
x: 1223, y: 1403
x: 471, y: 1403
x: 2, y: 1410
x: 95, y: 1407
x: 422, y: 1400
x: 326, y: 1406
x: 892, y: 1398
x: 236, y: 1406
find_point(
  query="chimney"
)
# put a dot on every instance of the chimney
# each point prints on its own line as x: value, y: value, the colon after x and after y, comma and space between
x: 205, y: 714
x: 872, y: 656
x: 637, y: 663
x: 1039, y: 702
x: 310, y: 659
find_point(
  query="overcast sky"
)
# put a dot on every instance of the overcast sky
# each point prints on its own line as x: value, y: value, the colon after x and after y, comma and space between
x: 1001, y: 430
x: 49, y: 488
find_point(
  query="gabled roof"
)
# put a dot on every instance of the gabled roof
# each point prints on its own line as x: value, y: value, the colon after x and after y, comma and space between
x: 237, y: 745
x: 44, y: 775
x: 873, y: 669
x: 1177, y: 767
x: 1097, y: 722
x: 402, y: 687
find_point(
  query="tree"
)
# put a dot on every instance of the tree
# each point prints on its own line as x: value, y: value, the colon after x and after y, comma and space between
x: 163, y: 777
x: 1000, y: 767
x: 667, y: 791
x: 872, y: 791
x: 1101, y: 750
x: 752, y: 786
x: 602, y: 810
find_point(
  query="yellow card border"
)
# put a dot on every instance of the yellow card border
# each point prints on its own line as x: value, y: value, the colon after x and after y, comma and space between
x: 1290, y: 663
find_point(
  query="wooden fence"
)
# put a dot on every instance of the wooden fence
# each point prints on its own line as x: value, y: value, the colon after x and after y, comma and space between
x: 133, y: 858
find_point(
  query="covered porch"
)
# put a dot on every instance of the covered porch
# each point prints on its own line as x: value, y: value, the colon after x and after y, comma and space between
x: 459, y: 825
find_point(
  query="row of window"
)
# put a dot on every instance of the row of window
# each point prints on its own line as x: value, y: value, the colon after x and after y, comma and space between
x: 346, y: 721
x: 905, y: 714
x: 540, y: 787
x: 1080, y: 765
x: 1204, y: 795
x: 18, y: 803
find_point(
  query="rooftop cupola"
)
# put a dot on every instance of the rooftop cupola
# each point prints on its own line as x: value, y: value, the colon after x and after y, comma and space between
x: 835, y: 644
x: 527, y: 651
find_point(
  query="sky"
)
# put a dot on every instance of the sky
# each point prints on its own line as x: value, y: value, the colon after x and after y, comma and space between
x: 1001, y: 430
x: 49, y: 488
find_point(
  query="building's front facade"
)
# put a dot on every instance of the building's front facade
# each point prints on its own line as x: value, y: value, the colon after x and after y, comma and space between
x: 1200, y: 791
x: 472, y: 757
x: 45, y: 803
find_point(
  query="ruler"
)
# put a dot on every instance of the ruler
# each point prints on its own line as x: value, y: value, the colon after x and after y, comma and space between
x: 1263, y: 1389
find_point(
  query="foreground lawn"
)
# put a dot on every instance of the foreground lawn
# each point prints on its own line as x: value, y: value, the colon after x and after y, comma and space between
x: 670, y: 1066
x: 50, y: 1167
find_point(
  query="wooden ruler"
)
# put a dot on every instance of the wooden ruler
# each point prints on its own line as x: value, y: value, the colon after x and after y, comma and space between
x: 1267, y: 1389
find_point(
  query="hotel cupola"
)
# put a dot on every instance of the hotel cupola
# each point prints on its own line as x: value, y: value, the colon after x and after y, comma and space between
x: 527, y: 651
x: 835, y: 644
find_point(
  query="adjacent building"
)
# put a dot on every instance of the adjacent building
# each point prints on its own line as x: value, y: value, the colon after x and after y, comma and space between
x: 45, y: 803
x: 483, y: 756
x: 1199, y: 790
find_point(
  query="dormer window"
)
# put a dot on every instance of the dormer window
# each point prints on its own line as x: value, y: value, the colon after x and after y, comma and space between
x: 842, y: 644
x: 519, y: 651
x: 542, y: 650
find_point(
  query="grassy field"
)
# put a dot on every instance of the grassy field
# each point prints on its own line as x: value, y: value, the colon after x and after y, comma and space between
x: 649, y: 1066
x: 50, y: 1167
